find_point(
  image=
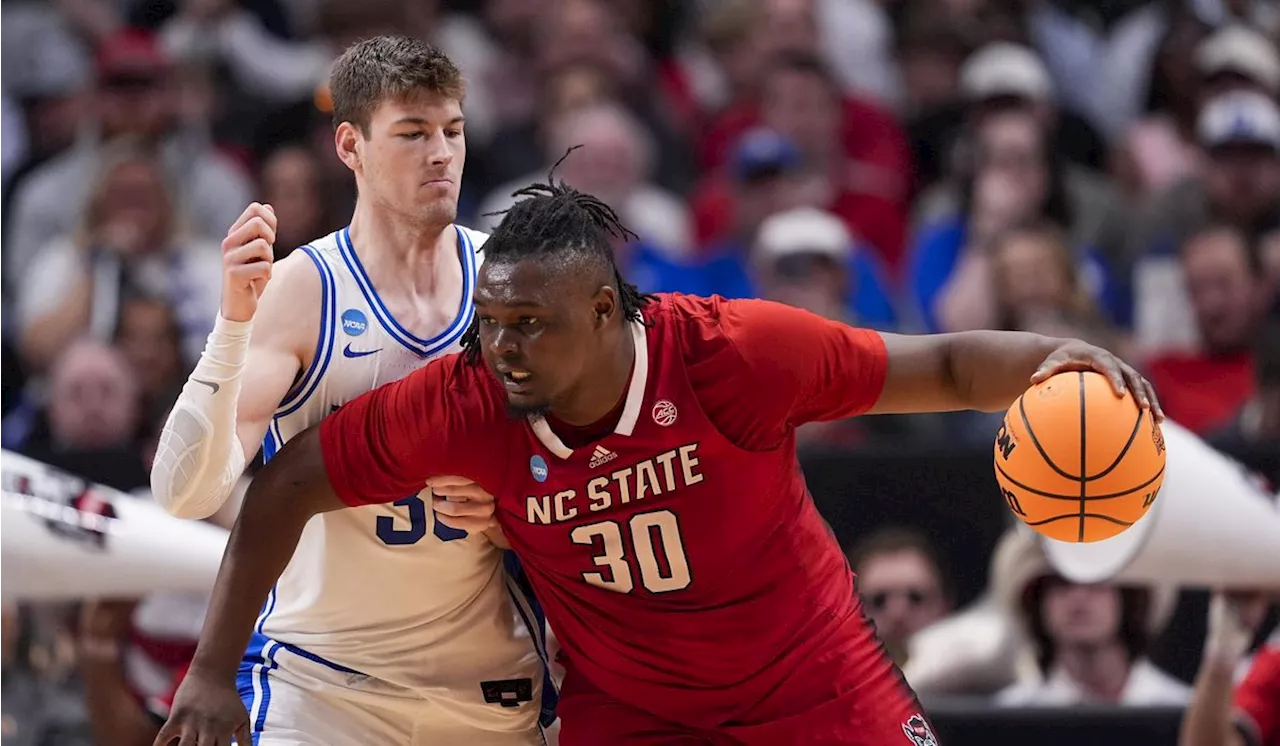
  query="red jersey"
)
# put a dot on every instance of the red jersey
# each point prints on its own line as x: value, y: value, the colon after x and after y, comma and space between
x: 1257, y: 698
x: 679, y: 557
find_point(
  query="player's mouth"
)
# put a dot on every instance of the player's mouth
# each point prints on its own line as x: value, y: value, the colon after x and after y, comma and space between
x: 515, y: 380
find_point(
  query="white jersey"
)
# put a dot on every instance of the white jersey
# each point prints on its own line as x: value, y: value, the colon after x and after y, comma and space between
x: 385, y: 590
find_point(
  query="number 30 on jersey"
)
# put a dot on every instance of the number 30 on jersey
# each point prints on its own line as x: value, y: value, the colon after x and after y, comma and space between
x: 657, y: 559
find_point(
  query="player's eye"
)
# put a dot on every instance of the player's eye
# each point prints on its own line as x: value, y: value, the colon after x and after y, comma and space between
x: 411, y: 135
x: 453, y: 133
x: 528, y: 321
x: 487, y: 320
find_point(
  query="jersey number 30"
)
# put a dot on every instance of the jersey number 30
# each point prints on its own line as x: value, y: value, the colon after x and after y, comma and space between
x: 398, y: 537
x: 657, y: 551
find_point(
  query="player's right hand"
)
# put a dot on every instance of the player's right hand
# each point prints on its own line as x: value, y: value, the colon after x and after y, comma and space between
x: 1233, y: 620
x: 246, y: 261
x: 206, y: 710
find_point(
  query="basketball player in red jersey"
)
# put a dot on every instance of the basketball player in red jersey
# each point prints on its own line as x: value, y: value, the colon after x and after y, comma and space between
x: 642, y: 451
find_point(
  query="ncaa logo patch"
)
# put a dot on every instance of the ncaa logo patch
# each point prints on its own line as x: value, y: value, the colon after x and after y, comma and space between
x: 919, y: 731
x: 664, y: 413
x: 354, y: 322
x: 538, y: 468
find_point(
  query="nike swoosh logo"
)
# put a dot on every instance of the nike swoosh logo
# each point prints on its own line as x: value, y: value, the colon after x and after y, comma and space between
x: 212, y: 386
x: 348, y: 352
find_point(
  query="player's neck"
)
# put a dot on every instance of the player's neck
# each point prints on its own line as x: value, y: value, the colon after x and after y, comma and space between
x: 599, y: 392
x: 394, y: 251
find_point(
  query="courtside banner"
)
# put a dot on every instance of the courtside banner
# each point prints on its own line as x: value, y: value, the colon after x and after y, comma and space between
x: 62, y: 538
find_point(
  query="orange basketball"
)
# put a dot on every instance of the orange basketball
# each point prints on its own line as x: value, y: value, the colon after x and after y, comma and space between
x: 1076, y: 462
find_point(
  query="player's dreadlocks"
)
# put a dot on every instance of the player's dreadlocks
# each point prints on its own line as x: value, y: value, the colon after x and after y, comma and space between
x: 555, y: 217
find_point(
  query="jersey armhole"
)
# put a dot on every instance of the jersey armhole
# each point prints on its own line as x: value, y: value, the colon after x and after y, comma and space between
x: 306, y: 385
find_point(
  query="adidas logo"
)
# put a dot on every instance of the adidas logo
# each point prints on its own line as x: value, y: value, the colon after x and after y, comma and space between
x: 601, y: 456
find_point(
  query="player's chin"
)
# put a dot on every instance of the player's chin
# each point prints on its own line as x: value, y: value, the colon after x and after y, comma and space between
x: 526, y: 404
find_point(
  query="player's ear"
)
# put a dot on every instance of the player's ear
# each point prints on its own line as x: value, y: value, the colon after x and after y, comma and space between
x: 605, y: 305
x: 346, y: 141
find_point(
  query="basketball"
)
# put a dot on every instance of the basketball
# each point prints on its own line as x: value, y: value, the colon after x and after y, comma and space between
x: 1077, y: 463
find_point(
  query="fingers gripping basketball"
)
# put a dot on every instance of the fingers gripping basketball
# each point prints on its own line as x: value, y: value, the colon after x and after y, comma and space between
x: 1075, y: 461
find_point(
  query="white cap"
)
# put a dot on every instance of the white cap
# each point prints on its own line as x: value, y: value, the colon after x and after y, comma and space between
x: 1242, y: 50
x: 1005, y: 69
x: 804, y: 230
x: 1239, y: 117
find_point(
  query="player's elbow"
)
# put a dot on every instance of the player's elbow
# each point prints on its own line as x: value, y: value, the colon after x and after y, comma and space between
x: 181, y: 503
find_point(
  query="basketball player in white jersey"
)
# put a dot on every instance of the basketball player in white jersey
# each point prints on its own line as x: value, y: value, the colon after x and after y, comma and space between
x: 388, y: 626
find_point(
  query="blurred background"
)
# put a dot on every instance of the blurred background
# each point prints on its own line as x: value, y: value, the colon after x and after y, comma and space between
x: 1107, y: 169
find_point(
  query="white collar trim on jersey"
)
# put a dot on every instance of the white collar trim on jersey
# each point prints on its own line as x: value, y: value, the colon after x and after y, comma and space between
x: 630, y: 411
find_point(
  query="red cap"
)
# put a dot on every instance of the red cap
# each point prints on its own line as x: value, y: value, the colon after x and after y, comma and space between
x: 131, y: 53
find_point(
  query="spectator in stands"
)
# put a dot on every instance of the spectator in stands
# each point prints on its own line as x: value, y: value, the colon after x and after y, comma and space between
x: 1205, y: 389
x: 291, y: 183
x: 930, y: 51
x: 1005, y: 75
x: 150, y: 337
x: 135, y: 98
x: 902, y: 584
x: 39, y: 709
x: 1005, y: 78
x: 807, y: 258
x: 47, y: 76
x: 982, y: 648
x: 865, y: 180
x: 1223, y: 712
x: 1039, y: 287
x: 1191, y: 68
x: 615, y: 163
x: 589, y: 33
x: 1015, y: 180
x: 1258, y: 420
x: 90, y: 422
x: 855, y: 155
x: 1240, y: 186
x: 1100, y: 55
x: 130, y: 241
x: 1090, y: 643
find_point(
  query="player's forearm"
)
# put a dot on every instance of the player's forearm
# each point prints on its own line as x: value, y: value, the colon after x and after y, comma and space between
x: 288, y: 492
x: 1207, y: 721
x: 199, y: 456
x: 114, y: 714
x: 988, y: 370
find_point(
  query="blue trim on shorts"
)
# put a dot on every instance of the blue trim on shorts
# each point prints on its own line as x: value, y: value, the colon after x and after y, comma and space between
x: 537, y: 630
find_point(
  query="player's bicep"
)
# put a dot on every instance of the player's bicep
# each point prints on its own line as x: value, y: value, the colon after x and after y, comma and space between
x: 283, y: 337
x: 269, y: 373
x: 385, y: 444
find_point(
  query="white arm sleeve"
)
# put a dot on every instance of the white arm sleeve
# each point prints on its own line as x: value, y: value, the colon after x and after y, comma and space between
x: 199, y: 457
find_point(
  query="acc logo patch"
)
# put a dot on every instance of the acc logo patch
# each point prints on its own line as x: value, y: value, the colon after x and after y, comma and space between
x: 919, y: 731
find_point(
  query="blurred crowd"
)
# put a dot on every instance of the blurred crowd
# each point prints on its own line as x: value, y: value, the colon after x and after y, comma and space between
x: 1106, y: 169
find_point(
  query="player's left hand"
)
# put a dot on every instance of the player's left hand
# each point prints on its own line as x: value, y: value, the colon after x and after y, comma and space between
x: 1076, y: 355
x: 461, y: 504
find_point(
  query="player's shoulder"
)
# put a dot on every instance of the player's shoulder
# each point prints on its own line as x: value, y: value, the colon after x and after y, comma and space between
x: 476, y: 238
x: 291, y: 303
x: 710, y: 316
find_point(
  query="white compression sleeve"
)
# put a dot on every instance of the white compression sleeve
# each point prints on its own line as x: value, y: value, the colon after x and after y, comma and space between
x: 199, y: 456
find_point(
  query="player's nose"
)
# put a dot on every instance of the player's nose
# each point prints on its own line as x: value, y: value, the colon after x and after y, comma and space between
x: 438, y: 150
x: 505, y: 344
